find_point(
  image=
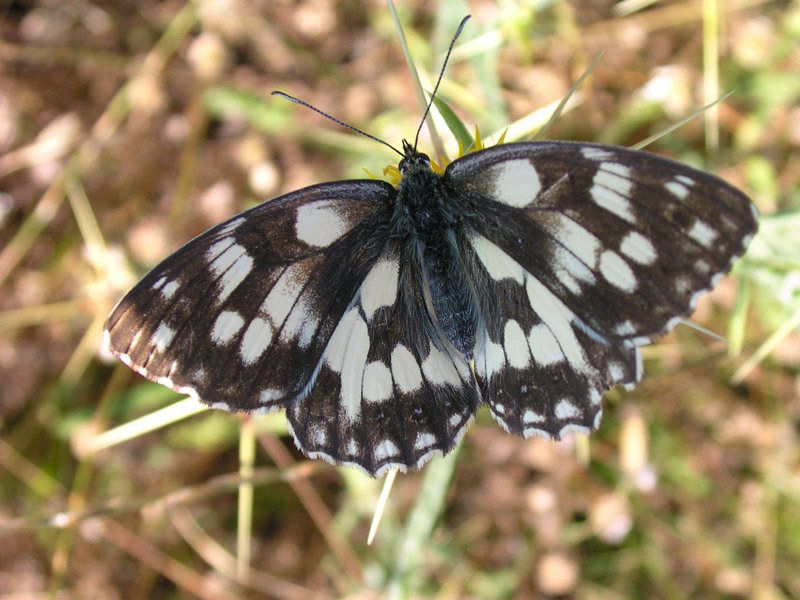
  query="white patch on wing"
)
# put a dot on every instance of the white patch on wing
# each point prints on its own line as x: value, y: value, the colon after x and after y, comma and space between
x: 319, y: 436
x: 565, y: 409
x: 157, y: 285
x: 573, y: 428
x: 162, y: 337
x: 613, y: 202
x: 385, y: 449
x: 611, y: 188
x: 463, y: 369
x: 168, y: 291
x: 754, y: 212
x: 683, y: 285
x: 702, y: 267
x: 530, y: 416
x: 200, y: 376
x: 307, y: 330
x: 570, y: 270
x: 320, y: 223
x: 515, y: 344
x: 491, y: 358
x: 256, y: 339
x: 516, y: 182
x: 227, y: 325
x: 614, y: 176
x: 702, y: 234
x: 617, y: 272
x: 352, y: 448
x: 337, y: 345
x: 166, y: 382
x: 270, y: 395
x: 596, y: 153
x: 596, y: 422
x: 616, y: 371
x: 439, y: 368
x: 218, y: 248
x: 231, y: 225
x: 377, y: 382
x: 347, y: 354
x: 225, y: 259
x: 405, y: 370
x: 544, y: 346
x: 596, y: 396
x: 557, y: 317
x: 638, y: 248
x: 498, y: 264
x: 424, y: 440
x: 234, y: 276
x: 625, y: 328
x: 284, y: 293
x: 380, y: 286
x: 578, y: 240
x: 688, y: 181
x: 679, y: 190
x: 298, y: 323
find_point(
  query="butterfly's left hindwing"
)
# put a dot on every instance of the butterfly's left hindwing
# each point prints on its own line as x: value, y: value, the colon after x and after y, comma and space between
x: 388, y: 393
x: 239, y: 316
x: 581, y: 254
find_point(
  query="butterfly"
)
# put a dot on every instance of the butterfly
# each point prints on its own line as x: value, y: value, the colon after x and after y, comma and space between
x: 526, y: 276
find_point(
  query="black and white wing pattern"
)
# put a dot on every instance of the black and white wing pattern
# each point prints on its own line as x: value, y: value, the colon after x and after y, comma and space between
x: 239, y: 317
x: 527, y: 276
x: 305, y: 303
x: 583, y: 254
x: 389, y: 392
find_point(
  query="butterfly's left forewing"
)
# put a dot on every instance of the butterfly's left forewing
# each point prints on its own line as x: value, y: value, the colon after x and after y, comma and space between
x: 581, y: 253
x: 240, y: 315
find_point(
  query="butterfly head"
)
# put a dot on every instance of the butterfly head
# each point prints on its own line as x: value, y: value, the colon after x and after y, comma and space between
x: 412, y: 158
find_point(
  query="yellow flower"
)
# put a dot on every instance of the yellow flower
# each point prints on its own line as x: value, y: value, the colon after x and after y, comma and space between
x: 394, y: 175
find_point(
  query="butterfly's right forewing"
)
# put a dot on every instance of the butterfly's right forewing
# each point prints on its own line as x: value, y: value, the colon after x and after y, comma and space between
x: 240, y: 316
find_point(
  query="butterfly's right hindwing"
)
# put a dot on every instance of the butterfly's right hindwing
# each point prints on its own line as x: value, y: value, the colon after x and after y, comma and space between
x: 240, y: 315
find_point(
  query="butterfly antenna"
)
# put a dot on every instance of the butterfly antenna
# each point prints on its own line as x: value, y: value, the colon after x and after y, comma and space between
x: 441, y: 74
x: 335, y: 120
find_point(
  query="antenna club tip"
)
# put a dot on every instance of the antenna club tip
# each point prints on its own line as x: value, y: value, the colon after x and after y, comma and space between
x: 286, y: 96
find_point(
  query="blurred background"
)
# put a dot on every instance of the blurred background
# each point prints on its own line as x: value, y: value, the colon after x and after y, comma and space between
x: 128, y: 127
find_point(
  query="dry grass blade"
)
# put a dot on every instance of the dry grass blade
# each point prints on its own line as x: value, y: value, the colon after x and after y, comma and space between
x: 156, y: 420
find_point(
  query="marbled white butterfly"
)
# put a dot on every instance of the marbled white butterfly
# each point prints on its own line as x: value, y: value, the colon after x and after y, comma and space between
x: 526, y: 276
